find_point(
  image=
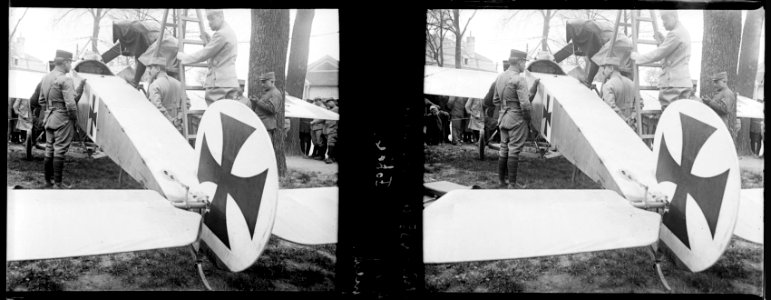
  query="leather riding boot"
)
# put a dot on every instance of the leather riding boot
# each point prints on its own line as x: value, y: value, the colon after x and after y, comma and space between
x: 331, y: 157
x: 512, y: 166
x: 502, y: 171
x: 48, y: 162
x: 58, y: 166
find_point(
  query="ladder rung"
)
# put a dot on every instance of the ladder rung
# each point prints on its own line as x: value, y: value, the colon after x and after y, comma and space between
x: 649, y: 42
x: 171, y: 24
x: 195, y: 88
x: 186, y: 41
x: 644, y: 19
x: 190, y: 19
x: 648, y: 88
x: 198, y: 65
x: 651, y: 65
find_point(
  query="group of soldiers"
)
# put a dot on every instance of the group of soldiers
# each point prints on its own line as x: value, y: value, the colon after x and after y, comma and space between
x: 512, y: 96
x: 321, y: 133
x: 57, y: 96
x: 454, y: 120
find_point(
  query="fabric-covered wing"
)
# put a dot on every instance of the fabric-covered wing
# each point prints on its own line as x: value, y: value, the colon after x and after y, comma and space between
x: 297, y: 108
x: 64, y: 223
x: 457, y: 82
x: 749, y: 223
x: 307, y: 216
x: 745, y: 107
x: 476, y: 225
x: 21, y: 83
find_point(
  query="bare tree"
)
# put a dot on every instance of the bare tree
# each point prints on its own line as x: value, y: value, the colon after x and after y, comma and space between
x: 437, y: 24
x: 96, y: 14
x: 267, y: 53
x: 458, y: 32
x: 748, y: 70
x: 298, y: 66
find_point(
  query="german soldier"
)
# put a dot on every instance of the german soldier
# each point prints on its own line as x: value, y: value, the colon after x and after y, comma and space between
x: 58, y: 98
x: 513, y: 96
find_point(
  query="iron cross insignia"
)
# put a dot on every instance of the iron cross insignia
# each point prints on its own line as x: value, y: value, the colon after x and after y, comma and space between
x: 706, y: 192
x: 547, y: 115
x: 92, y: 114
x: 246, y: 192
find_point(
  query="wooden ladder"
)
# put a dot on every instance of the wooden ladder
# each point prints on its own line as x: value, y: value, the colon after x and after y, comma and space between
x: 180, y: 17
x: 636, y: 17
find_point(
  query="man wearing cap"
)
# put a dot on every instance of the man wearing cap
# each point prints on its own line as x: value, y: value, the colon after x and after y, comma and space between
x: 317, y: 133
x: 724, y: 102
x: 166, y: 92
x: 58, y: 98
x: 330, y: 130
x: 268, y: 103
x: 513, y: 96
x: 220, y: 53
x: 674, y: 52
x: 618, y: 91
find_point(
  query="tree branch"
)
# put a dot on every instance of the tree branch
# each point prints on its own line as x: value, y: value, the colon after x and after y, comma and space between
x: 17, y: 24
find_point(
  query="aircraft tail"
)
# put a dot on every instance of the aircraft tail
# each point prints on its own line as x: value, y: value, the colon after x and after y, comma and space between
x: 697, y: 170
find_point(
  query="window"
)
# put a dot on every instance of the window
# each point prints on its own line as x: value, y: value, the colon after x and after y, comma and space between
x: 465, y: 61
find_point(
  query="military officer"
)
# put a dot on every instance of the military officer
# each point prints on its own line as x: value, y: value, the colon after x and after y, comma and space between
x: 166, y: 92
x: 221, y: 52
x: 268, y: 103
x: 58, y: 98
x: 724, y: 102
x: 674, y: 52
x: 618, y: 91
x: 317, y: 134
x: 513, y: 96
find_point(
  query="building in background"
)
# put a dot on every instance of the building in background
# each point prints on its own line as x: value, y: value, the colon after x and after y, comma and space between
x: 469, y: 59
x: 19, y: 59
x: 321, y: 79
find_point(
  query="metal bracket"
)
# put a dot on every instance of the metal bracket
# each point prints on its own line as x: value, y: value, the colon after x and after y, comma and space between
x: 199, y: 266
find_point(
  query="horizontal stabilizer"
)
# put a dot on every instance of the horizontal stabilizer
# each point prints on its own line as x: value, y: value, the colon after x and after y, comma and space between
x: 307, y: 216
x: 476, y: 225
x: 457, y: 82
x: 749, y: 223
x: 64, y: 223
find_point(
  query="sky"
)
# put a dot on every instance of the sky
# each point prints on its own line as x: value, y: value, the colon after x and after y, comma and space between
x: 42, y: 38
x: 494, y: 37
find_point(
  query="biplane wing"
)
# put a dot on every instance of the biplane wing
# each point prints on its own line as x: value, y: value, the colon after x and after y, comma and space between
x: 749, y: 224
x: 307, y: 216
x: 475, y: 225
x: 457, y: 82
x: 745, y: 107
x: 66, y: 223
x: 293, y: 107
x: 22, y: 83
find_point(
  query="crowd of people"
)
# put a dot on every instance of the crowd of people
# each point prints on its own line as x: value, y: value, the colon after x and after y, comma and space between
x: 453, y: 120
x: 320, y: 134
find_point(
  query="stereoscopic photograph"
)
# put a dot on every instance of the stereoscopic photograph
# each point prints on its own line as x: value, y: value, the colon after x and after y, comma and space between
x: 594, y: 151
x: 172, y: 149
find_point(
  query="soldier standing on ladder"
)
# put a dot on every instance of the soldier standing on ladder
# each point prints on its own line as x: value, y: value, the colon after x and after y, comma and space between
x: 675, y: 51
x: 221, y: 52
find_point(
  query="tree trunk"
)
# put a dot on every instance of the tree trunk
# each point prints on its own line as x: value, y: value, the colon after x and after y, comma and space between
x: 748, y: 70
x: 458, y: 38
x: 722, y: 34
x: 298, y: 65
x: 545, y: 31
x: 95, y: 31
x: 440, y: 62
x: 267, y: 53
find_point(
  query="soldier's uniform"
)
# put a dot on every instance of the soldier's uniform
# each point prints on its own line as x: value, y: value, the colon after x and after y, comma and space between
x: 58, y: 98
x: 317, y: 134
x: 512, y: 94
x: 167, y: 94
x: 220, y: 52
x: 266, y: 107
x: 724, y: 104
x: 330, y: 128
x: 619, y: 93
x: 674, y: 52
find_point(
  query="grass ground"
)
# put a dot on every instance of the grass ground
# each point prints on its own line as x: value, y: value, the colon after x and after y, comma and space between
x: 283, y: 266
x: 739, y: 270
